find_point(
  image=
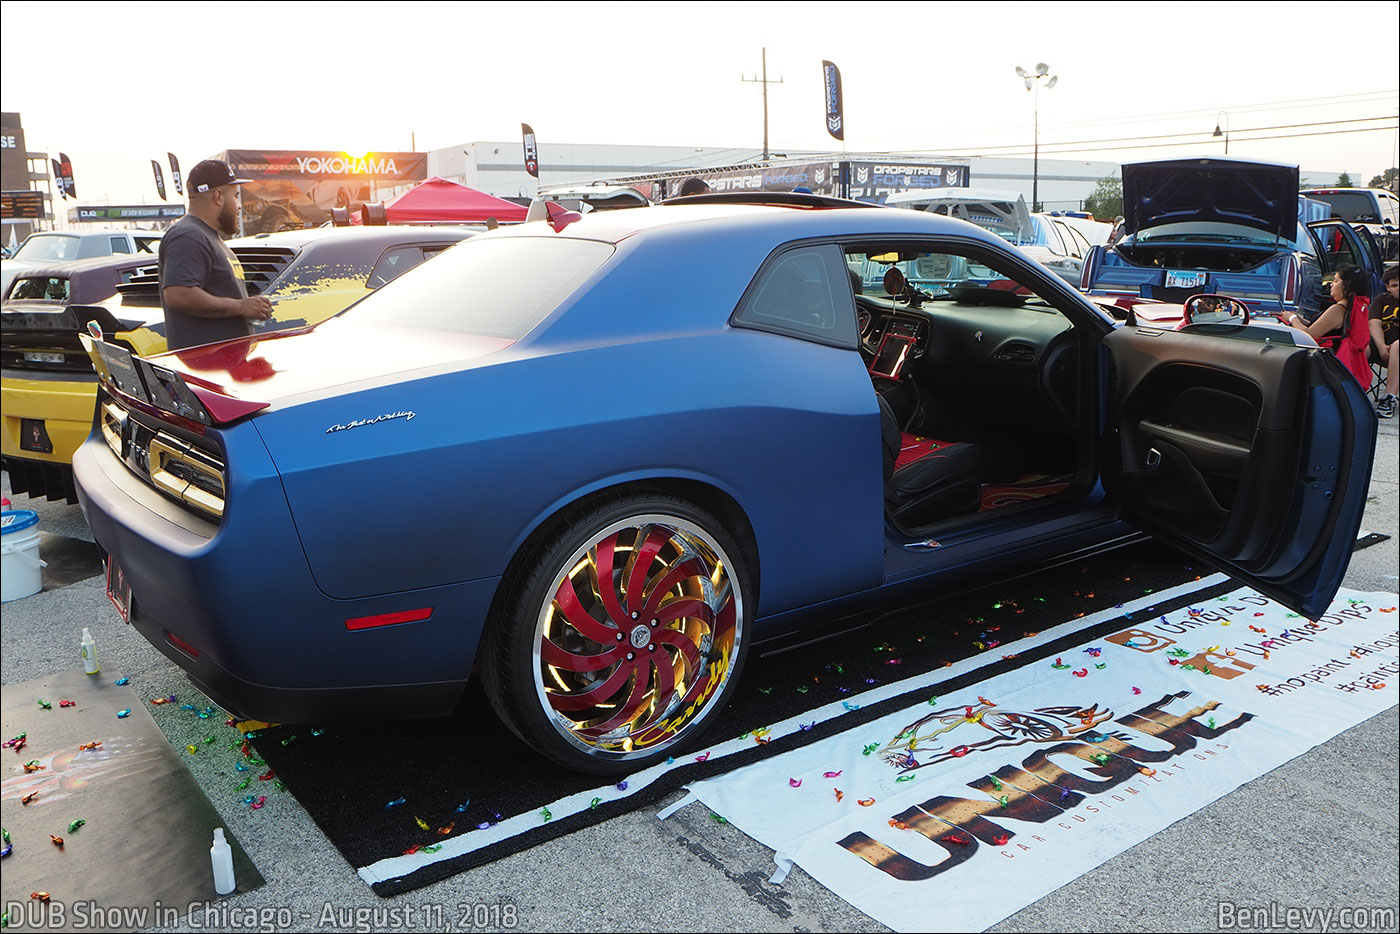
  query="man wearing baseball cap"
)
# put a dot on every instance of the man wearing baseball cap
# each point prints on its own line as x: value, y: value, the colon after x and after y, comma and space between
x: 201, y: 281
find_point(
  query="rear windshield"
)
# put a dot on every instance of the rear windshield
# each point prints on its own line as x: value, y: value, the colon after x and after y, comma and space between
x: 49, y: 247
x: 1354, y: 206
x: 486, y: 286
x: 40, y: 288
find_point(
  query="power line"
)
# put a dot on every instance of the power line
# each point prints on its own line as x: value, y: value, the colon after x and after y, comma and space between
x: 1133, y: 139
x: 1252, y: 139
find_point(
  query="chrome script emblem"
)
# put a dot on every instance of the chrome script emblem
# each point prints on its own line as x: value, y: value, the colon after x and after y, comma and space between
x: 362, y: 422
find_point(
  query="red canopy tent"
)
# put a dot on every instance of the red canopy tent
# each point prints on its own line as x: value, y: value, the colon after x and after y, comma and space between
x: 439, y: 201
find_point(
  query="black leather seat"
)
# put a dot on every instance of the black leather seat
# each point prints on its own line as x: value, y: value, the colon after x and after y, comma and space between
x: 939, y: 482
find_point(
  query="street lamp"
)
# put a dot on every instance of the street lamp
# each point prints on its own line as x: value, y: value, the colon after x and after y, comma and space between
x: 1225, y: 132
x: 1042, y: 73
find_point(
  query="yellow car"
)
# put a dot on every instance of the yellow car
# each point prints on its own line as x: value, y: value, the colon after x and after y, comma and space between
x: 47, y: 386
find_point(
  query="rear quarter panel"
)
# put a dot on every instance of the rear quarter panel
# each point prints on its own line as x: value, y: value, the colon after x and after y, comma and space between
x: 639, y: 378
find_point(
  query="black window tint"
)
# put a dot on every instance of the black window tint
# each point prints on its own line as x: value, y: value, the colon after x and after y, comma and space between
x: 805, y: 292
x: 119, y: 245
x: 394, y: 263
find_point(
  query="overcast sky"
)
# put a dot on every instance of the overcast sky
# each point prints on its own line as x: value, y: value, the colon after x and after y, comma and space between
x: 117, y: 84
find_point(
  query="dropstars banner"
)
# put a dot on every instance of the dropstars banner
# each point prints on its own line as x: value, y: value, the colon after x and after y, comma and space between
x: 532, y: 154
x: 58, y: 179
x: 175, y: 179
x: 835, y: 122
x: 65, y: 172
x: 160, y: 179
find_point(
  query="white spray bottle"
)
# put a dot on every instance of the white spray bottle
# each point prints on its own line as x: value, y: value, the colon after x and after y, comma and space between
x: 221, y: 855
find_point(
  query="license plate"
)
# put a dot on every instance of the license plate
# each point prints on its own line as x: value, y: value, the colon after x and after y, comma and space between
x: 35, y: 357
x: 1185, y: 280
x: 118, y: 589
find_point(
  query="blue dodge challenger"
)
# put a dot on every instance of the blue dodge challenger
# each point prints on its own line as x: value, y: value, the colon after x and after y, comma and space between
x: 594, y: 461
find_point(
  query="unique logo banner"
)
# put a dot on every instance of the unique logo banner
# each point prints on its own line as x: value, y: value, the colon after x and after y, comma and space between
x: 175, y: 179
x: 58, y: 178
x: 835, y: 124
x: 532, y: 154
x: 160, y: 179
x: 961, y: 810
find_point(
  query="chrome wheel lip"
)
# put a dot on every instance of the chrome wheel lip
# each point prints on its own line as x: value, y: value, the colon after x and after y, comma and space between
x: 706, y: 704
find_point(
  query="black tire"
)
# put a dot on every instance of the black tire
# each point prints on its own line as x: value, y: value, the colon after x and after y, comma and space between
x: 598, y: 678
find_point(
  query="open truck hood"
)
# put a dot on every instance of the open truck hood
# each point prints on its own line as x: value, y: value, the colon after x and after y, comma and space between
x: 1262, y: 195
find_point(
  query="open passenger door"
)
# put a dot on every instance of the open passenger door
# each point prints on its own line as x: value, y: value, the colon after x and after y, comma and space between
x: 1244, y: 451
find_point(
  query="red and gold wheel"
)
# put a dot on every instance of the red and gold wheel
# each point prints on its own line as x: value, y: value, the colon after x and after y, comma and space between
x: 636, y: 631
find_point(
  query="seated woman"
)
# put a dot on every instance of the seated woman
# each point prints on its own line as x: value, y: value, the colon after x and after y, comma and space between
x: 1343, y: 327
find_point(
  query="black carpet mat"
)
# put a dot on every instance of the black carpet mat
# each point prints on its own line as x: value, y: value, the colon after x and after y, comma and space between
x: 370, y: 784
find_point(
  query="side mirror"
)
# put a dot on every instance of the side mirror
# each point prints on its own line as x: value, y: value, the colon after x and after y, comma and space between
x: 1214, y: 309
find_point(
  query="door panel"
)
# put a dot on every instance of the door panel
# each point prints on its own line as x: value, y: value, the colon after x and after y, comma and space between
x: 1250, y: 455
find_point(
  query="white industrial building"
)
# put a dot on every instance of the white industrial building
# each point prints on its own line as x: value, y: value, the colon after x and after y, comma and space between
x: 498, y: 167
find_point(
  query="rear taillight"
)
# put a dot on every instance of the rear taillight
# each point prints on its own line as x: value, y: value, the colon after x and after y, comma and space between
x: 190, y: 476
x: 1291, y: 281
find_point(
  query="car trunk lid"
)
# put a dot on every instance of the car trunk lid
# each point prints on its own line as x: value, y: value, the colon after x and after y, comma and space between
x: 1262, y: 195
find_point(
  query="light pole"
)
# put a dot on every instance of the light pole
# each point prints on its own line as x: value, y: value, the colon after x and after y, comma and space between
x: 1042, y: 72
x: 1225, y: 132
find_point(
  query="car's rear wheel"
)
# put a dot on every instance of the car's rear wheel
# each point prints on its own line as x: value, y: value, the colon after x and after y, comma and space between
x: 619, y: 638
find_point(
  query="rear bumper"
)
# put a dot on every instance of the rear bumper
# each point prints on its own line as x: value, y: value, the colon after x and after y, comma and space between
x: 65, y: 409
x: 270, y: 645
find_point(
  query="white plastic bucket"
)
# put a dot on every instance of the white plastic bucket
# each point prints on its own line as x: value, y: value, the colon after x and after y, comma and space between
x: 20, y: 566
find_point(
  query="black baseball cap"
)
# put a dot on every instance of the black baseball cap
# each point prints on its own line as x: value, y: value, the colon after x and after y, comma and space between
x: 211, y: 174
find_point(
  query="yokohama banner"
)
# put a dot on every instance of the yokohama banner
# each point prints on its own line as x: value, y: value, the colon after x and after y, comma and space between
x: 958, y: 811
x: 299, y: 188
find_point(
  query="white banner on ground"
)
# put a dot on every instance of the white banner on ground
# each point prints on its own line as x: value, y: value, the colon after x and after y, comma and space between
x: 961, y: 810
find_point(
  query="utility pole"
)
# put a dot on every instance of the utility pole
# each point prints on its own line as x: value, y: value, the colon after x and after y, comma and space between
x: 765, y: 82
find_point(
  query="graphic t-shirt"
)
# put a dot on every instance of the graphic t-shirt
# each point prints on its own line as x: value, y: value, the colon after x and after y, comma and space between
x: 193, y: 254
x: 1383, y: 309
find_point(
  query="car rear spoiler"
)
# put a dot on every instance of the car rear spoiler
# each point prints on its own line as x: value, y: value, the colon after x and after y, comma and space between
x: 159, y: 390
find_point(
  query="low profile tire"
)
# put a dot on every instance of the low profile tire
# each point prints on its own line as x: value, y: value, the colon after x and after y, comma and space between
x: 619, y: 639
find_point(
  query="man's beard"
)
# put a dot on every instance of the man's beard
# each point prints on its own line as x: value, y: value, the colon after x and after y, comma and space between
x: 228, y: 218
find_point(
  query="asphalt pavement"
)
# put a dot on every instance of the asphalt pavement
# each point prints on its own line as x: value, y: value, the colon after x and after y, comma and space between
x: 1322, y: 831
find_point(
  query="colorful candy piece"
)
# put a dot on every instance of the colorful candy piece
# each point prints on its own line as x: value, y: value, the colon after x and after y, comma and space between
x: 831, y: 774
x: 392, y: 803
x: 865, y: 802
x: 422, y: 824
x: 795, y: 782
x: 29, y: 797
x: 123, y: 714
x: 67, y: 703
x: 57, y: 841
x: 74, y: 825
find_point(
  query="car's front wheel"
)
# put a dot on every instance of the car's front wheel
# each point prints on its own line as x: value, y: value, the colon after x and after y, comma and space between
x: 619, y: 639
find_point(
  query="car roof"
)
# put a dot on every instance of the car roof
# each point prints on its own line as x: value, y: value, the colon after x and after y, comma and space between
x: 95, y: 232
x: 388, y: 234
x: 778, y: 223
x: 72, y: 267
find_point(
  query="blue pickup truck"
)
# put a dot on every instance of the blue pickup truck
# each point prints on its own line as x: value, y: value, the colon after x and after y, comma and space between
x: 1230, y: 227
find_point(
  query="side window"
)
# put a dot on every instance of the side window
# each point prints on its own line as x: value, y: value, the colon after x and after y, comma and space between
x: 806, y: 292
x: 1336, y: 245
x: 1075, y: 240
x: 40, y: 289
x: 394, y: 263
x: 120, y: 245
x: 1390, y: 209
